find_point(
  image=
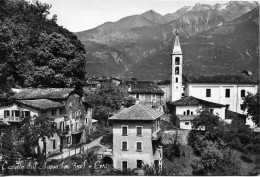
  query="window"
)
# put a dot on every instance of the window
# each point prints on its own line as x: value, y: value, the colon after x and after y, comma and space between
x: 211, y: 111
x: 243, y: 93
x: 191, y: 113
x: 177, y: 70
x: 139, y: 163
x: 227, y: 93
x: 177, y: 61
x: 242, y: 107
x: 26, y: 113
x: 17, y: 113
x: 137, y: 96
x: 68, y: 139
x: 54, y: 144
x: 53, y: 112
x: 124, y: 165
x: 176, y: 79
x: 184, y: 113
x: 6, y: 113
x: 139, y: 146
x: 71, y: 127
x: 124, y: 130
x: 124, y: 146
x: 60, y: 111
x: 188, y: 112
x: 208, y: 92
x: 227, y: 106
x: 139, y: 131
x: 187, y: 123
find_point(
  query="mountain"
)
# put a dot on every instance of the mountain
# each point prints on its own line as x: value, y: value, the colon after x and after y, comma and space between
x: 115, y: 47
x: 229, y: 48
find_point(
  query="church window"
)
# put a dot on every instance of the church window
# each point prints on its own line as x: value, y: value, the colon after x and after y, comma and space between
x: 188, y: 112
x: 177, y: 70
x: 177, y: 60
x: 243, y: 93
x: 176, y: 80
x: 208, y: 92
x: 227, y: 93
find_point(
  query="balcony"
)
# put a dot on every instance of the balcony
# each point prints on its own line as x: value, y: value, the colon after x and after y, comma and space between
x: 13, y: 119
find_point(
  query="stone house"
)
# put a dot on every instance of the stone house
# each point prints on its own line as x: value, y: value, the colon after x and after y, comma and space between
x: 63, y: 105
x: 136, y: 137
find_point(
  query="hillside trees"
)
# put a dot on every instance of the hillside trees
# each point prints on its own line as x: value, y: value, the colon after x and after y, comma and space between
x: 34, y: 50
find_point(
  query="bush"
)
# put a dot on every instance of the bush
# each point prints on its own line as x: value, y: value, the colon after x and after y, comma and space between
x: 107, y: 139
x: 246, y: 159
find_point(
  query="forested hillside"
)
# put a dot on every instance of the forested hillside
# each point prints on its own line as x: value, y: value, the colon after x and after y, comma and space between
x: 34, y: 50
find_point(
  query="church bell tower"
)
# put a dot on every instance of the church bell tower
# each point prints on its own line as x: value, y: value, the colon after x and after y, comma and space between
x: 176, y: 82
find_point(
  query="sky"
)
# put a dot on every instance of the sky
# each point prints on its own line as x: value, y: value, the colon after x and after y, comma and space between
x: 80, y: 15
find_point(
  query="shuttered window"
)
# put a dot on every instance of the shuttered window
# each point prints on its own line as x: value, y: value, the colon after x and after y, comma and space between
x: 139, y: 146
x: 124, y: 146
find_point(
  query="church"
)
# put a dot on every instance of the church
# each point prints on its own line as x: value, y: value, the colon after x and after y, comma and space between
x: 220, y: 93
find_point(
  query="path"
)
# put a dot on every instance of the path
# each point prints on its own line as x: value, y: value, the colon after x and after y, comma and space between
x: 68, y: 152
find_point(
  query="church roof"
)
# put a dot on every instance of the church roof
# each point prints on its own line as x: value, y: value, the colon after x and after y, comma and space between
x: 137, y: 112
x: 192, y: 101
x: 219, y: 78
x: 144, y: 87
x: 46, y: 93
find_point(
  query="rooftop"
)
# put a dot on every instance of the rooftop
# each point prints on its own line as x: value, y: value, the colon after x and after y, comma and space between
x: 231, y: 115
x: 144, y: 87
x: 42, y: 103
x: 220, y: 78
x: 47, y: 93
x: 192, y: 101
x: 137, y: 112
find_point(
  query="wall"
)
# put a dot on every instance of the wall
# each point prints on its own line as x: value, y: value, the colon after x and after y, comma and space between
x: 183, y: 126
x: 167, y: 91
x: 218, y: 93
x: 131, y: 155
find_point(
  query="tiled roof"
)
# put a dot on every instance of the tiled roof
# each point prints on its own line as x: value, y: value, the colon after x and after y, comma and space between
x: 42, y: 103
x: 192, y: 101
x: 186, y: 117
x: 230, y: 115
x: 47, y: 93
x: 219, y: 78
x: 137, y: 112
x: 144, y: 87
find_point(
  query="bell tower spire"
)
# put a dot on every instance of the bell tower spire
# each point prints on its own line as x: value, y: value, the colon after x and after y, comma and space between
x: 176, y: 80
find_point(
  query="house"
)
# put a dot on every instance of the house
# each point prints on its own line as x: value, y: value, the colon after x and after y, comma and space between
x: 188, y: 107
x: 146, y: 92
x: 136, y: 137
x: 63, y: 105
x: 223, y: 89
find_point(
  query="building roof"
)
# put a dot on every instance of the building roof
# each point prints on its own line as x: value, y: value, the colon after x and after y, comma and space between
x: 137, y: 112
x: 230, y: 115
x: 144, y: 87
x: 42, y: 103
x: 192, y: 101
x: 219, y: 78
x: 186, y: 117
x: 47, y: 93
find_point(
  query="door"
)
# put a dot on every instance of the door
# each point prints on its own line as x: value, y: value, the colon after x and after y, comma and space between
x: 124, y: 166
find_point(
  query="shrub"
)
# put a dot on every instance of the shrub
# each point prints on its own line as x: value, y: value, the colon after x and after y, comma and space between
x: 246, y: 159
x: 107, y: 139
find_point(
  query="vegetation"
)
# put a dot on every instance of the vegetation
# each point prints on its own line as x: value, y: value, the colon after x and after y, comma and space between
x: 34, y: 50
x: 251, y: 105
x: 106, y: 99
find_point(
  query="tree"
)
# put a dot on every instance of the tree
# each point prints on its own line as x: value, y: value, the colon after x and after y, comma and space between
x: 34, y: 130
x: 106, y: 99
x: 251, y: 106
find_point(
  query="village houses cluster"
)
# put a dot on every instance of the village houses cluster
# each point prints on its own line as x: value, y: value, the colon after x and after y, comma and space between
x: 136, y: 130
